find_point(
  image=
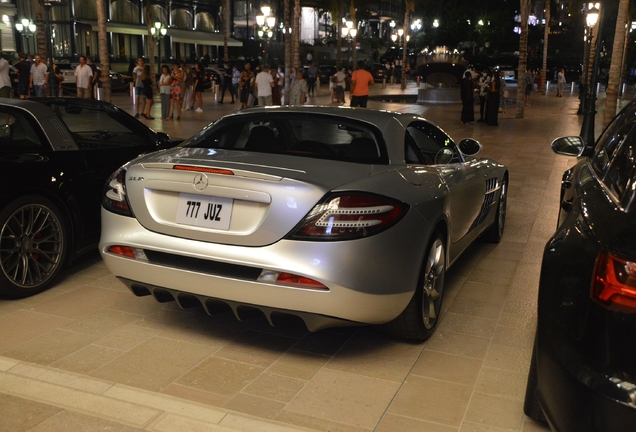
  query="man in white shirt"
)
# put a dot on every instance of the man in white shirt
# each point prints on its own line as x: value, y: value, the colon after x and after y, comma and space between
x: 139, y: 87
x: 264, y: 84
x: 5, y: 80
x: 83, y: 78
x: 38, y: 77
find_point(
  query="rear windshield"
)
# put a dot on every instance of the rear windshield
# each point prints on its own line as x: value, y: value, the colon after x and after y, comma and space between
x: 297, y: 134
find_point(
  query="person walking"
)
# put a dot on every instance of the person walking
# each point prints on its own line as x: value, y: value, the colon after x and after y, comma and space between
x: 38, y: 77
x: 529, y: 86
x: 227, y: 82
x: 198, y: 86
x: 312, y: 73
x: 83, y: 77
x: 146, y: 80
x: 503, y: 94
x: 96, y: 80
x: 361, y: 79
x: 276, y: 94
x: 176, y: 90
x: 560, y: 82
x: 339, y: 81
x: 164, y: 92
x: 264, y: 83
x: 298, y: 90
x: 467, y: 92
x: 245, y: 85
x: 139, y: 87
x: 5, y: 80
x: 188, y: 90
x: 492, y: 106
x: 483, y: 84
x: 236, y: 76
x: 24, y: 76
x: 55, y: 78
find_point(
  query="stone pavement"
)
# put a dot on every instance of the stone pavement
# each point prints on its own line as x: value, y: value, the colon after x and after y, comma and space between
x: 88, y: 355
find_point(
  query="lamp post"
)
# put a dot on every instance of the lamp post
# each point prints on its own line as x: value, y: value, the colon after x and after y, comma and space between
x: 349, y: 33
x: 26, y: 28
x: 591, y: 18
x: 158, y: 31
x: 267, y: 24
x: 587, y: 128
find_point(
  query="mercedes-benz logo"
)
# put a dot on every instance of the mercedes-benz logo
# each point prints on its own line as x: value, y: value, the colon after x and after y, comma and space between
x: 200, y: 182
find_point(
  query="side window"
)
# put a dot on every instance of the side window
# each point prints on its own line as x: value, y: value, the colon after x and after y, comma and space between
x: 95, y: 128
x: 621, y: 174
x: 16, y: 132
x: 611, y: 139
x: 435, y: 147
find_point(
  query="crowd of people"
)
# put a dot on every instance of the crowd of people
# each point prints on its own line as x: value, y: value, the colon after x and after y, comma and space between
x: 490, y: 87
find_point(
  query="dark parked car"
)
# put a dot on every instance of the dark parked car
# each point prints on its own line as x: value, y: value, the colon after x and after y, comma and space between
x: 583, y: 371
x: 379, y: 72
x: 55, y: 155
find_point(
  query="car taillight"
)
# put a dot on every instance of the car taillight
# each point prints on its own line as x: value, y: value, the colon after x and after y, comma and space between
x: 614, y: 283
x: 347, y: 216
x: 115, y: 194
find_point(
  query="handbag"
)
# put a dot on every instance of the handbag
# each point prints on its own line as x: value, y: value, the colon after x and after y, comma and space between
x: 506, y: 94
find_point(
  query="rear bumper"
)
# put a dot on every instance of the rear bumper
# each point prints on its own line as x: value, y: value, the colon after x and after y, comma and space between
x: 369, y: 281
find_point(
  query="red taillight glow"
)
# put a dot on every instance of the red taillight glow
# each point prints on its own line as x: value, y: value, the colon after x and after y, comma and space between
x: 295, y: 280
x: 124, y: 251
x: 202, y: 169
x: 614, y: 283
x: 350, y: 215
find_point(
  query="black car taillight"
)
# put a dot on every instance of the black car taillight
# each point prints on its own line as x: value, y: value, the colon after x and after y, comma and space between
x: 347, y: 216
x: 614, y: 283
x: 115, y: 194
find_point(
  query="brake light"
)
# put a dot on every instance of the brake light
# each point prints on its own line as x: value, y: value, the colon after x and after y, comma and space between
x: 614, y: 283
x: 349, y: 216
x: 115, y: 194
x: 291, y: 280
x: 202, y: 169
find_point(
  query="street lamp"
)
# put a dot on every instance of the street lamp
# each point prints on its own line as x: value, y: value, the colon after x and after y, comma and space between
x: 26, y: 28
x: 591, y: 18
x: 349, y: 33
x: 416, y: 25
x: 587, y: 128
x: 267, y: 26
x: 158, y: 31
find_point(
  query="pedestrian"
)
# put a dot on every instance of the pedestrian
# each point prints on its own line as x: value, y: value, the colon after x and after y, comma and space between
x: 529, y: 86
x: 55, y: 79
x: 226, y: 83
x: 339, y: 81
x: 5, y: 80
x: 245, y: 85
x: 198, y: 86
x: 312, y: 73
x: 139, y: 87
x: 264, y: 83
x: 164, y: 92
x: 146, y: 80
x: 560, y: 82
x: 276, y: 94
x: 298, y: 91
x: 176, y: 90
x: 83, y: 77
x: 483, y: 85
x: 503, y: 95
x: 236, y: 76
x: 492, y: 105
x: 361, y: 79
x: 188, y: 91
x: 96, y: 80
x: 38, y: 77
x: 467, y: 92
x: 24, y: 75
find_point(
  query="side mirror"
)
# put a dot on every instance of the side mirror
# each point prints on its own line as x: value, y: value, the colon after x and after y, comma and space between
x: 163, y: 140
x: 469, y: 147
x: 568, y: 146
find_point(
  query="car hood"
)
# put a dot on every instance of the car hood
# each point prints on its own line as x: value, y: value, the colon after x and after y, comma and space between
x: 264, y: 196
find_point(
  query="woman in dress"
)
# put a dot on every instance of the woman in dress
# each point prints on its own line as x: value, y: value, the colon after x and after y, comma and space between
x: 298, y: 92
x: 188, y: 83
x: 492, y: 106
x: 198, y: 85
x: 164, y: 92
x: 147, y: 83
x: 176, y: 91
x: 468, y: 98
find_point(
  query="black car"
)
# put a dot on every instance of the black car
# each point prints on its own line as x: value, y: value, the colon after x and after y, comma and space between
x: 583, y: 371
x: 55, y: 156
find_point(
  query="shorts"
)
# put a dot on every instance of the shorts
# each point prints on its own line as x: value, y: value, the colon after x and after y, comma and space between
x: 529, y: 88
x: 23, y: 90
x: 139, y: 91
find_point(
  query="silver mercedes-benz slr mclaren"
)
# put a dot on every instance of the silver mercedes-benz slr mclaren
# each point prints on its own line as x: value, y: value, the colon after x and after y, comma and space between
x: 338, y: 216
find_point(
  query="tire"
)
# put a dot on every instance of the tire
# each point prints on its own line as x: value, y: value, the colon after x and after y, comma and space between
x: 495, y: 232
x: 419, y: 318
x: 33, y: 246
x: 531, y: 406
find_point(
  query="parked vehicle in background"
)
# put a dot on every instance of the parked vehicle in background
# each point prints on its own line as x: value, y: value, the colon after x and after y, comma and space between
x: 56, y: 153
x: 583, y: 370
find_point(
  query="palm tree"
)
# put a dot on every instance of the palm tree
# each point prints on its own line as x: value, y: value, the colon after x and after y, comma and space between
x: 617, y: 62
x: 40, y: 34
x: 352, y: 14
x: 225, y: 10
x: 102, y: 37
x: 408, y: 8
x: 151, y: 40
x: 545, y: 46
x: 523, y: 56
x: 295, y: 61
x: 288, y: 48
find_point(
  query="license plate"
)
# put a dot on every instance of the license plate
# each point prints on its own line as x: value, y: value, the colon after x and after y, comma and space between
x: 204, y: 211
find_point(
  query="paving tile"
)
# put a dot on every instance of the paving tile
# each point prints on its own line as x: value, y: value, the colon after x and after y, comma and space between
x: 322, y: 342
x: 448, y: 367
x: 78, y: 303
x: 195, y: 395
x: 127, y: 337
x: 87, y: 359
x: 396, y: 423
x: 101, y: 322
x: 495, y: 411
x: 261, y: 349
x: 62, y: 378
x: 153, y: 364
x: 67, y: 421
x: 30, y: 325
x: 298, y: 364
x: 220, y: 375
x: 466, y: 324
x: 254, y: 405
x: 502, y: 383
x: 345, y: 398
x: 459, y: 344
x: 50, y: 347
x: 275, y: 387
x: 432, y: 400
x: 20, y: 414
x: 248, y: 424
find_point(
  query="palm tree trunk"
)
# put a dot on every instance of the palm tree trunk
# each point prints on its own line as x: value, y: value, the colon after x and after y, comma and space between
x: 104, y: 59
x: 616, y: 65
x: 523, y: 56
x: 224, y: 15
x: 339, y: 37
x: 408, y: 8
x: 296, y: 35
x: 544, y: 69
x: 352, y: 13
x: 151, y: 41
x: 288, y: 50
